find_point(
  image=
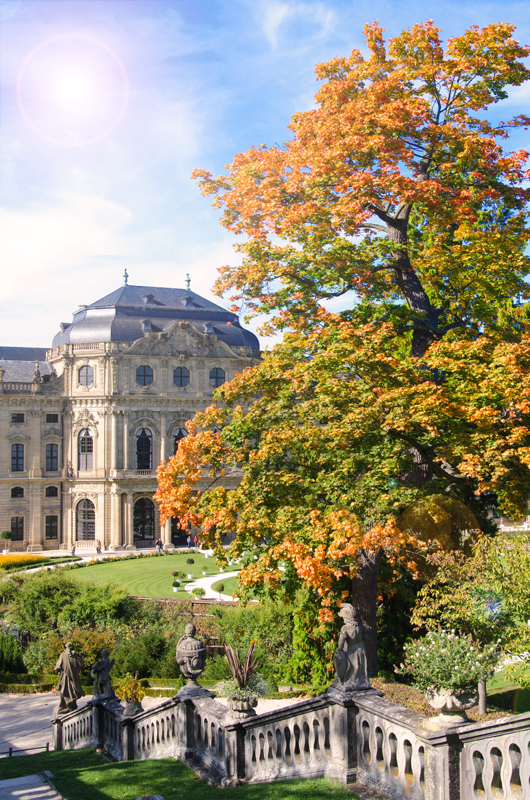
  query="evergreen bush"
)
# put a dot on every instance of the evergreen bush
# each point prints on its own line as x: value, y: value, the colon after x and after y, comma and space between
x: 10, y: 654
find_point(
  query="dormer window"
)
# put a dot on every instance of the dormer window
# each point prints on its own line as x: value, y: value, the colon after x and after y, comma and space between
x: 148, y: 299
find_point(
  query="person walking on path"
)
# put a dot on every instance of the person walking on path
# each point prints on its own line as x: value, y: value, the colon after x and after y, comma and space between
x: 196, y: 541
x: 189, y: 540
x: 98, y: 547
x: 73, y: 549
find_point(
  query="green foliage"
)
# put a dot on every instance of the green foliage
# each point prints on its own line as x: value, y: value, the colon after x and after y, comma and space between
x: 198, y: 592
x: 5, y: 535
x: 443, y: 660
x: 42, y: 655
x: 313, y: 644
x: 254, y: 688
x: 217, y: 669
x: 485, y: 595
x: 190, y: 561
x: 10, y: 655
x: 270, y: 624
x: 396, y: 601
x: 129, y: 688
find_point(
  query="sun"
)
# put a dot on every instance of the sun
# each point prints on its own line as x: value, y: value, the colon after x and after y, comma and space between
x: 72, y: 89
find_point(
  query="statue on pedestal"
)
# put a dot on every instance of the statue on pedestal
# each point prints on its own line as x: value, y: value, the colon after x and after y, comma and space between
x: 191, y: 658
x: 350, y: 656
x: 69, y: 665
x: 100, y: 674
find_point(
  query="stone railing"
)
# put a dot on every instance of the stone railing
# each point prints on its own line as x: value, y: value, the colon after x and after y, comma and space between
x: 358, y: 737
x: 17, y: 387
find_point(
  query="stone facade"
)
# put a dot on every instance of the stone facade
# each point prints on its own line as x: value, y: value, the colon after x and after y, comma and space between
x: 85, y: 424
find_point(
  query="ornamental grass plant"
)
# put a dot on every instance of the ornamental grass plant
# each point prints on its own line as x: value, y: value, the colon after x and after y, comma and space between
x: 444, y: 660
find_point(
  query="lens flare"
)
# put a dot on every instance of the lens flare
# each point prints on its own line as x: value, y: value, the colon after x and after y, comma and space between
x: 72, y: 90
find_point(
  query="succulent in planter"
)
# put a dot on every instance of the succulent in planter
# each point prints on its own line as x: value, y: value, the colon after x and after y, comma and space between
x: 246, y: 685
x: 130, y: 690
x: 448, y: 668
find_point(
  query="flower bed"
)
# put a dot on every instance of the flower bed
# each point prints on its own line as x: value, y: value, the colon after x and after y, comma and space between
x: 20, y: 560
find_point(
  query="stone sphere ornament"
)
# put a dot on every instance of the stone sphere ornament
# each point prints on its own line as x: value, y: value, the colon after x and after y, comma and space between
x: 191, y: 658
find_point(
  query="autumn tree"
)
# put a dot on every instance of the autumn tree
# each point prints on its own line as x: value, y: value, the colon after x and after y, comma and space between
x: 394, y: 194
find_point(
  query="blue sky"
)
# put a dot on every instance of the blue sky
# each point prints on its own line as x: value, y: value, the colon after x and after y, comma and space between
x: 108, y: 105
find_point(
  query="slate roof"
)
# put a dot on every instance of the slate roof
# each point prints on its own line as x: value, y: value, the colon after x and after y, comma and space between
x: 22, y: 371
x: 129, y: 312
x: 23, y: 354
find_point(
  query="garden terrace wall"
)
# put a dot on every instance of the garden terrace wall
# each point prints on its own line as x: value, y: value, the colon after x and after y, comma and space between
x: 358, y: 738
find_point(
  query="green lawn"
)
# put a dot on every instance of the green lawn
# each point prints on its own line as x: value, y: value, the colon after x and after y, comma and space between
x: 85, y: 775
x: 149, y: 576
x: 230, y: 584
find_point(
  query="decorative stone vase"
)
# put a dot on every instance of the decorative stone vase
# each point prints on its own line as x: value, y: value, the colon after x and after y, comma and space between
x: 191, y: 658
x: 239, y: 709
x: 452, y: 704
x: 132, y: 707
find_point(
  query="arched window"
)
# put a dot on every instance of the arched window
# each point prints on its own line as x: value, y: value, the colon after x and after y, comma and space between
x: 52, y: 457
x: 144, y: 375
x: 144, y: 449
x: 17, y: 491
x: 179, y: 434
x: 181, y: 376
x: 86, y: 376
x: 86, y: 450
x: 52, y: 491
x: 85, y: 521
x: 217, y: 377
x: 144, y: 519
x: 17, y: 458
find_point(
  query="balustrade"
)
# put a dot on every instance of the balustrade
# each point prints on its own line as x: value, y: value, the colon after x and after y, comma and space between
x: 364, y: 738
x: 495, y: 760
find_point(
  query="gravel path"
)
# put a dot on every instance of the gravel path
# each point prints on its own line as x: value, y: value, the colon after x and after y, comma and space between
x: 206, y: 584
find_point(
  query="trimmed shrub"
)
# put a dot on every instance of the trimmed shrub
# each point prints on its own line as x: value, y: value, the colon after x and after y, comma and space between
x: 10, y: 654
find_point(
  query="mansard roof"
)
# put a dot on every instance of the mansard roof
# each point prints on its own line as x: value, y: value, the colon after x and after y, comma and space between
x: 126, y: 314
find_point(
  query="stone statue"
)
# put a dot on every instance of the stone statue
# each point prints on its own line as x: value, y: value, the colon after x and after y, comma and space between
x: 100, y: 674
x: 69, y: 665
x: 350, y: 656
x: 191, y: 658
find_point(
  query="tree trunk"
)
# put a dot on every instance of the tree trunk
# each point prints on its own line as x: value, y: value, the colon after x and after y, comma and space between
x: 482, y: 697
x: 364, y: 599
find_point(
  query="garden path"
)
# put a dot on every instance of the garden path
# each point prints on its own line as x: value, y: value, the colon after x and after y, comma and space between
x: 206, y: 584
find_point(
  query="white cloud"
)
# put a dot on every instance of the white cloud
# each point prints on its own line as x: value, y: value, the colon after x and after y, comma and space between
x: 319, y: 16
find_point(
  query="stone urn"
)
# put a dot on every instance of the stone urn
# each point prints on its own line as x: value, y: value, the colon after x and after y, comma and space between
x: 452, y: 704
x: 132, y: 707
x: 191, y: 658
x: 239, y: 709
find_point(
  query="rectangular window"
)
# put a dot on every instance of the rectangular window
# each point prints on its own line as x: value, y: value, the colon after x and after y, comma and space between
x: 52, y: 527
x: 17, y: 458
x: 52, y: 417
x: 17, y: 529
x: 17, y: 491
x: 17, y: 417
x: 52, y: 457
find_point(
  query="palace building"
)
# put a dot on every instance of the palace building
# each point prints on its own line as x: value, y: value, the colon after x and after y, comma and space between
x: 85, y: 424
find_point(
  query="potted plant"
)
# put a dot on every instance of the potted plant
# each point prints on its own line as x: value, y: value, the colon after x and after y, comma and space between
x: 6, y: 536
x: 198, y: 592
x: 130, y: 690
x: 246, y: 685
x: 190, y: 561
x: 175, y: 585
x: 220, y: 589
x: 204, y: 571
x: 448, y: 667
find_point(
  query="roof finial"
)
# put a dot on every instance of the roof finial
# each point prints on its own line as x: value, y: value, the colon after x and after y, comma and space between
x: 188, y: 281
x: 125, y: 276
